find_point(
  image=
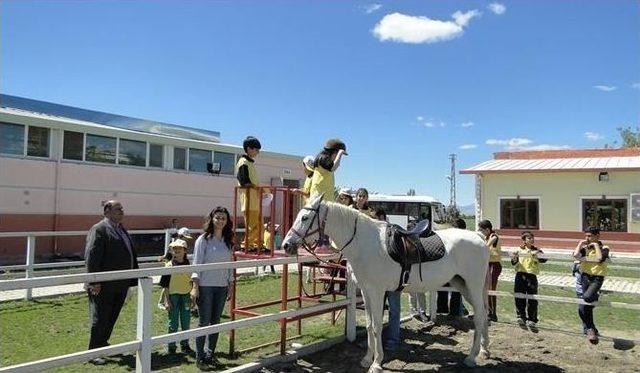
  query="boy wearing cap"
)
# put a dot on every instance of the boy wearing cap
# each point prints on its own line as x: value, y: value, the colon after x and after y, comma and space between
x: 248, y: 178
x: 326, y: 163
x: 176, y: 290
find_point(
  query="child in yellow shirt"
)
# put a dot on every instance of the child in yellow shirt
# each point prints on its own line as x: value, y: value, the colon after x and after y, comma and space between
x: 527, y: 259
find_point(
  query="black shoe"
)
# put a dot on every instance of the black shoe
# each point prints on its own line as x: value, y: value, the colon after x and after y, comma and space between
x: 493, y: 318
x: 187, y: 351
x: 203, y: 364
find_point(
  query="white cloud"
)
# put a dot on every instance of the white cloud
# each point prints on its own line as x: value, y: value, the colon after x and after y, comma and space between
x: 497, y: 8
x: 513, y: 142
x: 592, y: 136
x: 370, y: 8
x: 442, y: 124
x: 466, y: 124
x: 419, y: 118
x: 402, y: 28
x: 635, y: 85
x: 428, y: 124
x: 519, y: 143
x: 467, y: 146
x: 605, y: 88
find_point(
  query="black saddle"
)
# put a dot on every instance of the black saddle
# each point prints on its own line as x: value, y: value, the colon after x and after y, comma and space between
x: 408, y: 247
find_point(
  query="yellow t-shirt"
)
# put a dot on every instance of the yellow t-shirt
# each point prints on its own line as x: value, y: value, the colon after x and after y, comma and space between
x: 180, y: 283
x: 528, y: 261
x: 495, y: 253
x: 254, y: 202
x: 323, y: 182
x: 306, y: 188
x: 594, y: 268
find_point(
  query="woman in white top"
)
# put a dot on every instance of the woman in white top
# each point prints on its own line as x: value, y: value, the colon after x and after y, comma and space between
x: 210, y: 289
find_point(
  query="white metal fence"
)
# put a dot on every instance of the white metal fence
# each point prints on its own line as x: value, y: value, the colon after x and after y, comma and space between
x: 144, y: 341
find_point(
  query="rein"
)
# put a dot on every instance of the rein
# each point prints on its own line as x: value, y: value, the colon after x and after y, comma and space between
x: 320, y: 231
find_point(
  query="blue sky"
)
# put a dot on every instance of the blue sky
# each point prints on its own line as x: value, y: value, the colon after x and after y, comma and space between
x: 403, y: 83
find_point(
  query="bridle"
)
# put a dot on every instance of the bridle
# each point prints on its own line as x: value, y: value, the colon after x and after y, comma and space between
x: 320, y: 230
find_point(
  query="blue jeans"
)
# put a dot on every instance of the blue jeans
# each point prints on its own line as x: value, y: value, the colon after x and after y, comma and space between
x: 590, y: 287
x: 210, y: 306
x: 179, y: 314
x: 391, y: 335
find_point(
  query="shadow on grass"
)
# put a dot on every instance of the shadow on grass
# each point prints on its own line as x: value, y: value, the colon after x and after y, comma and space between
x: 623, y: 344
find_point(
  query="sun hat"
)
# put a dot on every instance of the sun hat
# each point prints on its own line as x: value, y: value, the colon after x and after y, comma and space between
x: 344, y: 191
x: 179, y: 243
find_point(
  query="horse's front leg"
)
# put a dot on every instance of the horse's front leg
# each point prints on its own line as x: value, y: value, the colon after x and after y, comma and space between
x: 375, y: 305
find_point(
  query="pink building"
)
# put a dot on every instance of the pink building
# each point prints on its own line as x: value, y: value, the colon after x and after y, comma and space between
x: 58, y: 163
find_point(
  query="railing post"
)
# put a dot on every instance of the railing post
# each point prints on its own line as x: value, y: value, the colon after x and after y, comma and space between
x: 167, y: 240
x: 143, y: 326
x: 351, y: 308
x: 31, y: 258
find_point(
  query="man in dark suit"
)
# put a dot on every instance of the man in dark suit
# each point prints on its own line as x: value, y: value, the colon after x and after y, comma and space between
x: 109, y: 248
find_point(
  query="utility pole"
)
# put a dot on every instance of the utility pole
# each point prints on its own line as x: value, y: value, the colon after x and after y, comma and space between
x: 452, y: 181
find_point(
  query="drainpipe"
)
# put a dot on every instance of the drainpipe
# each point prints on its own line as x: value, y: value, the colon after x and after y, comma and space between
x: 56, y: 197
x: 478, y: 206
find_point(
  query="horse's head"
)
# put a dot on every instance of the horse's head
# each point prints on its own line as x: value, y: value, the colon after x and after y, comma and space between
x: 306, y: 228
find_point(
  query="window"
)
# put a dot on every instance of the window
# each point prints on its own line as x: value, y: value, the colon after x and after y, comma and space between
x: 609, y: 215
x: 38, y: 141
x: 73, y: 145
x: 156, y: 155
x: 100, y: 149
x: 179, y: 158
x: 198, y: 160
x: 132, y: 153
x: 227, y: 162
x: 11, y: 138
x: 519, y: 214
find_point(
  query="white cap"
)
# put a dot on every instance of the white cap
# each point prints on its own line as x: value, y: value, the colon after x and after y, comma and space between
x: 308, y: 162
x: 344, y: 191
x: 184, y: 232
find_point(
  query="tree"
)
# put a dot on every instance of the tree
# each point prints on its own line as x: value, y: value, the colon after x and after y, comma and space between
x: 629, y: 137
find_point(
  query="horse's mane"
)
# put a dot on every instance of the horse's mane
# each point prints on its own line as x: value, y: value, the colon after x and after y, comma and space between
x: 347, y: 212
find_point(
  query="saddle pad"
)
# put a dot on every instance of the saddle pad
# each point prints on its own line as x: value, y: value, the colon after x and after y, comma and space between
x: 433, y: 247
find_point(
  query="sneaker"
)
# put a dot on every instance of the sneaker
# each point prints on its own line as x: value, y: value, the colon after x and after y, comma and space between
x: 521, y: 323
x: 592, y: 337
x: 203, y: 364
x: 533, y: 326
x: 98, y: 361
x: 423, y: 317
x: 493, y: 318
x: 162, y: 306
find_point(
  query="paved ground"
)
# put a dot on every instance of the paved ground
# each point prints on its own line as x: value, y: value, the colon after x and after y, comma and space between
x: 610, y: 283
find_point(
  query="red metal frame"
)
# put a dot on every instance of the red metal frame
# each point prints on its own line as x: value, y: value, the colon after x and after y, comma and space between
x: 285, y: 196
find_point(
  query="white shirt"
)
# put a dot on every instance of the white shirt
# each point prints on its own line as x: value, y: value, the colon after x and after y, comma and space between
x: 208, y: 251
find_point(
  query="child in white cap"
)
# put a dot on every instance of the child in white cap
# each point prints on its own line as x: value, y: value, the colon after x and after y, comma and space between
x: 308, y: 167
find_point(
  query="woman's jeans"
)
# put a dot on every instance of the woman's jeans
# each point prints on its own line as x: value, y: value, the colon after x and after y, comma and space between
x: 391, y: 336
x: 210, y: 307
x: 590, y: 287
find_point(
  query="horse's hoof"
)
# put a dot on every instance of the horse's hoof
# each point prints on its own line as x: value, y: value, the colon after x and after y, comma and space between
x: 366, y: 363
x: 470, y: 362
x: 485, y: 354
x: 375, y: 368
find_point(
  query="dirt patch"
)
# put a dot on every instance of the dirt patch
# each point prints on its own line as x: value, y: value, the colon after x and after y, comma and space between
x: 442, y: 347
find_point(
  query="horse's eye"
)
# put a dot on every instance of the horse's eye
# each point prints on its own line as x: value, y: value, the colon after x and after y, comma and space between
x: 305, y: 218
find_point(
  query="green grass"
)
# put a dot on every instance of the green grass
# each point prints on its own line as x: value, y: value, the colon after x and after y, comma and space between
x: 36, y: 330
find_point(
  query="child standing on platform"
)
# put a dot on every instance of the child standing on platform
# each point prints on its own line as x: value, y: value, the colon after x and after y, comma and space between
x: 527, y: 259
x: 250, y: 197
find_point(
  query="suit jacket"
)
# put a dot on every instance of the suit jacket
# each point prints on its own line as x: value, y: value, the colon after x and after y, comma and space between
x: 106, y: 251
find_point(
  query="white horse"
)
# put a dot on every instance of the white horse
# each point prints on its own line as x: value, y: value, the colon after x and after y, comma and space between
x: 362, y: 240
